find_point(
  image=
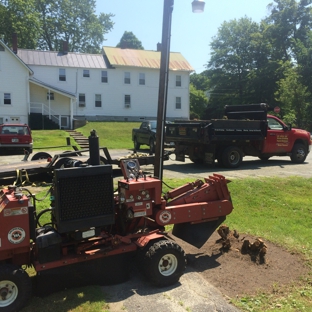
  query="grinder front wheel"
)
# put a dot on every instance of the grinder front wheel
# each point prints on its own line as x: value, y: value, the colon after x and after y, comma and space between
x: 164, y: 263
x: 15, y: 288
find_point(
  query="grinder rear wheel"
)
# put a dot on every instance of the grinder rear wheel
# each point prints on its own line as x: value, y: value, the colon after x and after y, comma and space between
x: 164, y: 263
x: 15, y: 288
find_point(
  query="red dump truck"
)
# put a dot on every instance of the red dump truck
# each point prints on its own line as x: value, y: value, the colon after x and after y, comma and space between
x: 246, y: 130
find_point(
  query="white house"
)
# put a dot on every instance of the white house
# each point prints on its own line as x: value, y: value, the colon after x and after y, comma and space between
x: 119, y: 84
x: 14, y: 87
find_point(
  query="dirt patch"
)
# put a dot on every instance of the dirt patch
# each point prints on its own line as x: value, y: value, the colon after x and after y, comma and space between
x: 235, y: 272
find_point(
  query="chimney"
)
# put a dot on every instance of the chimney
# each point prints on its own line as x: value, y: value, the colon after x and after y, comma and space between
x: 158, y: 47
x: 65, y: 47
x: 14, y: 42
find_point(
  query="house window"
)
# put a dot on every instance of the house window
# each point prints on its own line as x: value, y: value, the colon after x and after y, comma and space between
x: 98, y: 100
x: 178, y: 102
x: 62, y: 74
x: 50, y: 96
x: 127, y: 100
x: 178, y: 81
x: 7, y: 98
x: 127, y: 79
x: 142, y: 79
x: 104, y: 77
x: 82, y: 100
x: 86, y: 73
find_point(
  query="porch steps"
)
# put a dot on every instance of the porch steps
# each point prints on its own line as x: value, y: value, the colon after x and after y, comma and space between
x: 79, y: 138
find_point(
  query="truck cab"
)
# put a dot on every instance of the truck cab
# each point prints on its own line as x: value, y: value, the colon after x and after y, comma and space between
x: 285, y: 140
x: 146, y: 135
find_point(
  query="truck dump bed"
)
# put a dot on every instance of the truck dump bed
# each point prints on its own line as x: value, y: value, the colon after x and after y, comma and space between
x: 241, y: 122
x: 209, y: 131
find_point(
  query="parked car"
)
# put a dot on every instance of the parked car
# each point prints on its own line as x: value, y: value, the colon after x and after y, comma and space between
x: 146, y: 135
x: 15, y: 139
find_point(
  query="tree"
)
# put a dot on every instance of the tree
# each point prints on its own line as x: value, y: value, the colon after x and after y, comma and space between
x: 200, y: 81
x: 198, y: 103
x: 44, y: 24
x: 73, y: 21
x: 129, y: 41
x: 17, y: 16
x: 289, y: 30
x: 293, y: 97
x: 289, y: 20
x: 240, y: 55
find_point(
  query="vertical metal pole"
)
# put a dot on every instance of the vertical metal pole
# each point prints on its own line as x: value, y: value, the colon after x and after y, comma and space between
x: 163, y: 88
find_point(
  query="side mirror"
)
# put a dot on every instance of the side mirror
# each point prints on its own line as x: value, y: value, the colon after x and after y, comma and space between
x: 287, y: 128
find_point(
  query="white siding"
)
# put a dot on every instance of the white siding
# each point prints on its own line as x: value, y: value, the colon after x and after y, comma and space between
x: 14, y: 80
x: 60, y: 105
x: 144, y: 98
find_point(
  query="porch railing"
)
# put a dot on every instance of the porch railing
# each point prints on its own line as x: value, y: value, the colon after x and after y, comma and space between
x: 44, y: 109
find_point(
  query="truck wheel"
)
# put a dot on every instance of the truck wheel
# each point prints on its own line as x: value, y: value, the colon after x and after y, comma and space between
x: 232, y: 157
x: 136, y: 144
x: 152, y: 146
x: 298, y: 154
x: 15, y: 288
x: 41, y: 155
x: 164, y: 263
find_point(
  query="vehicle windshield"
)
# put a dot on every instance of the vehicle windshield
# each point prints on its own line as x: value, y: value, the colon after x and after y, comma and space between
x: 274, y: 124
x: 153, y: 125
x: 20, y: 130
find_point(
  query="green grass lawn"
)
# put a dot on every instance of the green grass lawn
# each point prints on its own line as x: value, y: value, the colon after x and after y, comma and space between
x: 113, y: 135
x: 276, y: 209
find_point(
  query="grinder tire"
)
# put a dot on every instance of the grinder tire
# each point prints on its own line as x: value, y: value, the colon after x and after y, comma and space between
x: 41, y: 155
x: 15, y: 288
x: 164, y: 263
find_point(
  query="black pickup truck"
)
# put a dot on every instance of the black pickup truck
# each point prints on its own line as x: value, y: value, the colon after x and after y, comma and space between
x: 146, y: 135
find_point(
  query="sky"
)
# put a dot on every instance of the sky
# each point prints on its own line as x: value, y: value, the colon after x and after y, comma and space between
x: 191, y: 33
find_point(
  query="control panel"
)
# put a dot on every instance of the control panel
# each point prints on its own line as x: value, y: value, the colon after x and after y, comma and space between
x: 131, y: 169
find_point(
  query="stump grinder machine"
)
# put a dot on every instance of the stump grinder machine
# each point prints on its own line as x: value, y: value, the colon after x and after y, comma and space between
x: 90, y: 221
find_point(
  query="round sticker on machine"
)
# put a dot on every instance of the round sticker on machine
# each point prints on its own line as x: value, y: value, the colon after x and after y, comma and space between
x: 165, y: 216
x: 16, y: 235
